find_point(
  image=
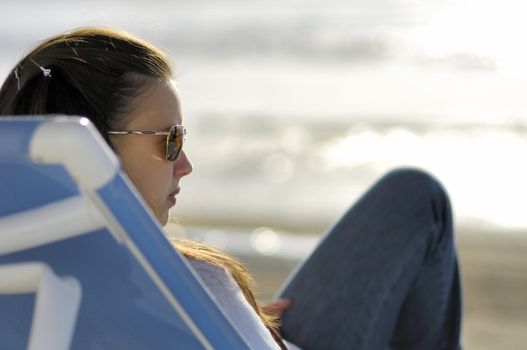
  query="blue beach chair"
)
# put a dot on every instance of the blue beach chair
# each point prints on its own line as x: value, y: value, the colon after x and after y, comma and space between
x: 83, y: 263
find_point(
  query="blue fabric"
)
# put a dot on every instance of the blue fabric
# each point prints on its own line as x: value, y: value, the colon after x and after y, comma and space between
x: 25, y: 186
x: 384, y: 277
x: 174, y: 270
x: 121, y: 307
x: 15, y: 136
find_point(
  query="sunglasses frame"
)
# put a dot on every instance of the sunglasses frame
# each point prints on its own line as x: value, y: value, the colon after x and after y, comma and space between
x: 175, y: 131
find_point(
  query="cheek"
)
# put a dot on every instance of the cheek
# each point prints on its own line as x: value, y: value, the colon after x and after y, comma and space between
x: 151, y: 179
x: 151, y: 176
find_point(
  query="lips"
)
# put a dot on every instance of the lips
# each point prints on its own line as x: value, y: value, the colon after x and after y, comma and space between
x: 172, y: 196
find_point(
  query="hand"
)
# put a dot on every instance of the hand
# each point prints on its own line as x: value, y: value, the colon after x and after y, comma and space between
x: 276, y: 307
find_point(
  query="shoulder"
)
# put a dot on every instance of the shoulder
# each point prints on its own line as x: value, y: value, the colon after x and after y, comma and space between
x: 222, y: 287
x: 233, y: 303
x: 212, y: 274
x: 205, y: 267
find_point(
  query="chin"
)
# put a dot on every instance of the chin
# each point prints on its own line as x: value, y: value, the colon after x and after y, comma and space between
x: 163, y: 218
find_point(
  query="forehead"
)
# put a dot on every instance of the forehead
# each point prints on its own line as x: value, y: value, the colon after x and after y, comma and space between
x: 158, y: 107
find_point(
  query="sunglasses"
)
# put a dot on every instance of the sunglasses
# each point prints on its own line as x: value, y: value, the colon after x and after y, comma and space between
x: 175, y: 137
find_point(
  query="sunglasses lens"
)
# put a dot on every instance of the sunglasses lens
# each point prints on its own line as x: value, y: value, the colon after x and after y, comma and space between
x: 175, y: 142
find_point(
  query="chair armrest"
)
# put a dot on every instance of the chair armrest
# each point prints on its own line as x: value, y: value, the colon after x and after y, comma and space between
x: 56, y: 306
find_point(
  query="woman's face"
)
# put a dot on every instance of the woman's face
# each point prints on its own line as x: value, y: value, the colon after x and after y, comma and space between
x: 143, y: 156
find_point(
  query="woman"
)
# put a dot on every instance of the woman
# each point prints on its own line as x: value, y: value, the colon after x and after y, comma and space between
x: 384, y: 276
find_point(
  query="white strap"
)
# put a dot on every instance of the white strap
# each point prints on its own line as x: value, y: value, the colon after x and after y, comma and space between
x: 53, y: 222
x: 76, y: 144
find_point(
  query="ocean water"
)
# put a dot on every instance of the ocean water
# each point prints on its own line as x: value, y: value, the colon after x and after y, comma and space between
x: 295, y: 107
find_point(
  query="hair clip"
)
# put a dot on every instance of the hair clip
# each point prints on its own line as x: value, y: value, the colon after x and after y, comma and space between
x: 17, y: 78
x: 45, y: 71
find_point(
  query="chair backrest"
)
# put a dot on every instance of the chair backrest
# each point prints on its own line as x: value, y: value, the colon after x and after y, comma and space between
x: 65, y: 202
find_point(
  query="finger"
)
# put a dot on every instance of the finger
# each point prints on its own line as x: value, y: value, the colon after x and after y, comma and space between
x: 276, y: 307
x: 282, y: 303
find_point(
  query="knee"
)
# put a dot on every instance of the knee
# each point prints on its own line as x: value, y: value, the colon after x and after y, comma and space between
x: 412, y: 179
x: 421, y: 191
x: 417, y: 184
x: 409, y: 174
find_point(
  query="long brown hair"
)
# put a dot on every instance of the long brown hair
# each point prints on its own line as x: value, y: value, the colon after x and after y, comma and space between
x: 97, y: 72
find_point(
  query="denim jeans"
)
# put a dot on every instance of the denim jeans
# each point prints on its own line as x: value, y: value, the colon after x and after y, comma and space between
x: 384, y: 277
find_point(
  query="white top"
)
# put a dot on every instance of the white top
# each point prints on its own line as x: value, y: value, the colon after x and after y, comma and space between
x: 236, y: 308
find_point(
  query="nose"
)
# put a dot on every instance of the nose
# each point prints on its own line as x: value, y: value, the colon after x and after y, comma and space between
x: 182, y: 166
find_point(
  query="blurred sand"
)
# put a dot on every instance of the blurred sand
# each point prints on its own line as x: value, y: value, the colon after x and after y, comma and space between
x: 493, y: 265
